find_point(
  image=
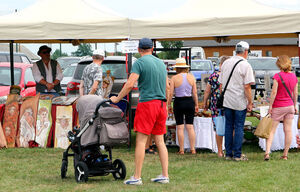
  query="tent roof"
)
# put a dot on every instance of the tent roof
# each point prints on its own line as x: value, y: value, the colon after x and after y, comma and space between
x: 199, y: 19
x: 64, y: 20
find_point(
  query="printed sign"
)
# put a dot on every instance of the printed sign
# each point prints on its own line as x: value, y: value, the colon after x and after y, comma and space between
x: 130, y: 46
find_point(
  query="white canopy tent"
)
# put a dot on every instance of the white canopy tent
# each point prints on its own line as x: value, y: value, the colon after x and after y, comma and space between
x: 202, y: 19
x: 63, y: 20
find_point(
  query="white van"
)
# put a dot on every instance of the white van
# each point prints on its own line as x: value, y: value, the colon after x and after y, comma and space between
x: 196, y: 53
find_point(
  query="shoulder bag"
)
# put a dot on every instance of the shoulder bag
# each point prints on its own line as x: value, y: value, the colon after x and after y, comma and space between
x: 220, y: 100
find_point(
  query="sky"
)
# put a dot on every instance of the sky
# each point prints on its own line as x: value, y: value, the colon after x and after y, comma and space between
x: 131, y: 9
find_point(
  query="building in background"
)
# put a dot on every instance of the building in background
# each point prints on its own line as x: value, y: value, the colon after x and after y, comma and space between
x: 270, y: 47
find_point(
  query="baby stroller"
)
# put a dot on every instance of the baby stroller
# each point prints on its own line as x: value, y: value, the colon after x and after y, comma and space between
x: 101, y: 127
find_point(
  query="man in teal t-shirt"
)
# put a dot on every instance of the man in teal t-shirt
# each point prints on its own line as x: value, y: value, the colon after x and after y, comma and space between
x: 151, y: 113
x: 152, y: 78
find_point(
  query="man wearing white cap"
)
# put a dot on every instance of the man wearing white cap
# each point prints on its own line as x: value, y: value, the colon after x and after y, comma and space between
x: 91, y: 79
x: 237, y: 99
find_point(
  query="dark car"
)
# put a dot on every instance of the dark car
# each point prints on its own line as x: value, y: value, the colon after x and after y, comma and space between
x: 65, y: 61
x: 22, y: 77
x: 117, y: 66
x: 18, y: 57
x: 263, y: 66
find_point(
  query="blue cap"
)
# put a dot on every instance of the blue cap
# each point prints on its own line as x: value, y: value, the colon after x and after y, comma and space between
x: 145, y: 43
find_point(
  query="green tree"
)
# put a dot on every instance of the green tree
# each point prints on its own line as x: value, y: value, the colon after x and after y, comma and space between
x: 170, y: 54
x: 84, y: 49
x: 57, y: 54
x: 170, y: 44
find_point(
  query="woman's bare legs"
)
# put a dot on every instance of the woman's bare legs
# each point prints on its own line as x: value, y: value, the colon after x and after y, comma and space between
x: 191, y: 133
x: 180, y: 135
x: 287, y: 128
x: 219, y: 140
x: 270, y: 139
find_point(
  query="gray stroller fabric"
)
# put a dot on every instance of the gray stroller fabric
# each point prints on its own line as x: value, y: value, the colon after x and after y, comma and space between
x: 109, y: 128
x: 86, y: 106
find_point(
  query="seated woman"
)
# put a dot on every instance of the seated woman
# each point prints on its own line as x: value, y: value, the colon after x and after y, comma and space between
x: 185, y: 103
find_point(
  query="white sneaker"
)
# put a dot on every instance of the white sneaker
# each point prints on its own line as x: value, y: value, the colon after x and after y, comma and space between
x: 133, y: 181
x: 161, y: 179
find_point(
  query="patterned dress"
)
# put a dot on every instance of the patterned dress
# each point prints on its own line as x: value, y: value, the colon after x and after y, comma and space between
x: 91, y: 73
x: 213, y: 80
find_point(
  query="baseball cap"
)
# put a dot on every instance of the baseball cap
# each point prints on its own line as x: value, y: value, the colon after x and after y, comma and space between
x: 242, y: 46
x: 42, y: 48
x: 99, y: 52
x: 145, y: 43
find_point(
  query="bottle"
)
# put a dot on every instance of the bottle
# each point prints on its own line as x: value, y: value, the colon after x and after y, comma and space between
x: 98, y: 160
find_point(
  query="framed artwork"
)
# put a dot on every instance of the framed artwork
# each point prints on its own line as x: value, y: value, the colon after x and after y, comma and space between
x: 63, y: 125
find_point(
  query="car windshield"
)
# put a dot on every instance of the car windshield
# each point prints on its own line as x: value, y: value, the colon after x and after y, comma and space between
x: 5, y: 75
x: 201, y: 65
x: 263, y: 64
x: 69, y: 71
x: 117, y: 69
x: 64, y: 62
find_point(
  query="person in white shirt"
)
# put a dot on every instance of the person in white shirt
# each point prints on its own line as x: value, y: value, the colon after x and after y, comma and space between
x: 237, y: 99
x: 47, y: 73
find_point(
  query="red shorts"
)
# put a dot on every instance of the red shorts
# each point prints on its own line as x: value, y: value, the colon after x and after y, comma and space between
x: 150, y: 117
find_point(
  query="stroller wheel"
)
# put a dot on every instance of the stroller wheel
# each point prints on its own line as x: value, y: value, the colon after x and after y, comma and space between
x: 81, y: 172
x: 120, y: 169
x: 64, y: 169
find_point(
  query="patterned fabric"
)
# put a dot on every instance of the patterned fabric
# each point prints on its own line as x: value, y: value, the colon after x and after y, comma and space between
x: 91, y: 73
x: 215, y: 93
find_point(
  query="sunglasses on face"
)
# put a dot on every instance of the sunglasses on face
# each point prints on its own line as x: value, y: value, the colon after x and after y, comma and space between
x: 45, y: 52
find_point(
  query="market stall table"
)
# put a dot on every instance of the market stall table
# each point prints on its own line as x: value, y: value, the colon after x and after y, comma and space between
x: 205, y: 135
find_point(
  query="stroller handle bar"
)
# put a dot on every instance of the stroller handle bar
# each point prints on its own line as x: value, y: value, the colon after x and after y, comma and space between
x: 107, y: 101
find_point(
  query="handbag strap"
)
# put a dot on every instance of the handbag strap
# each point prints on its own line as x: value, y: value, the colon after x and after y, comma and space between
x: 286, y: 87
x: 230, y: 76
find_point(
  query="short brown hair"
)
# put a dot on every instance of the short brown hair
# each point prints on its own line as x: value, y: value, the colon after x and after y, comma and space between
x: 284, y: 63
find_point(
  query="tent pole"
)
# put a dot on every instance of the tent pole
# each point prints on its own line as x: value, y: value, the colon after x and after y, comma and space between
x: 11, y: 52
x: 299, y: 47
x: 130, y: 100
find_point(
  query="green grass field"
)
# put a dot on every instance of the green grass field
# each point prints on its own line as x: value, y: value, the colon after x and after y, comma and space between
x: 39, y: 170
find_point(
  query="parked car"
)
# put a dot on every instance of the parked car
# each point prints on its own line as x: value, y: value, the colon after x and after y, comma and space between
x: 22, y: 77
x: 65, y: 61
x: 117, y: 66
x: 295, y: 65
x: 263, y: 66
x: 67, y: 76
x: 18, y: 57
x: 199, y: 67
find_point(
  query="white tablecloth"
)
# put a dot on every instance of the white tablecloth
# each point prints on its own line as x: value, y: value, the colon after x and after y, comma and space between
x: 205, y: 135
x: 278, y: 141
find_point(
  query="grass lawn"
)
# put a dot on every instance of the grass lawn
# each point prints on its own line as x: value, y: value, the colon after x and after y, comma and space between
x: 39, y: 170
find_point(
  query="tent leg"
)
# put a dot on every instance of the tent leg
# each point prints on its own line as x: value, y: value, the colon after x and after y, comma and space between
x: 11, y: 51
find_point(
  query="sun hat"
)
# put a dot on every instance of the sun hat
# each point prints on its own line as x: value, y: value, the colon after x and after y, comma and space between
x: 42, y: 48
x: 99, y: 52
x: 145, y: 43
x: 242, y: 46
x: 181, y: 63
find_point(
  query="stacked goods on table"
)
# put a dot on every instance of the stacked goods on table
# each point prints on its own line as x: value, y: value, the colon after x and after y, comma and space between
x: 30, y: 122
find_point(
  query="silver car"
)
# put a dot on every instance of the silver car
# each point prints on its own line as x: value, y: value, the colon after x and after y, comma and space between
x: 117, y: 66
x: 263, y: 66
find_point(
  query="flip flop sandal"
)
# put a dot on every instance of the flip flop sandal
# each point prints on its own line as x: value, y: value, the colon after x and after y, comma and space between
x: 266, y: 157
x: 284, y: 157
x: 150, y: 151
x: 193, y: 152
x: 180, y: 152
